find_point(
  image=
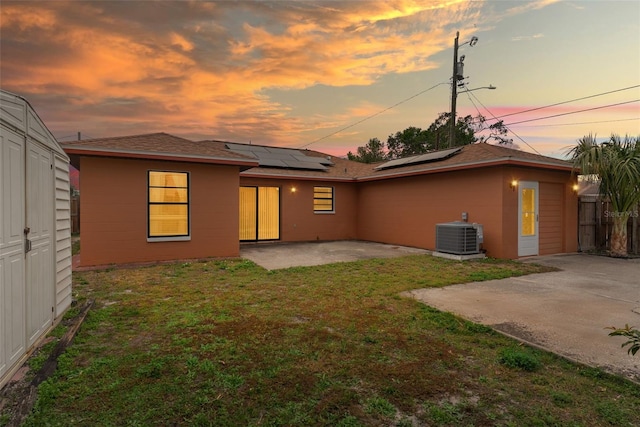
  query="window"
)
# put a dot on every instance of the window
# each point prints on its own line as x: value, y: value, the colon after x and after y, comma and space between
x: 528, y: 212
x: 323, y: 199
x: 168, y: 205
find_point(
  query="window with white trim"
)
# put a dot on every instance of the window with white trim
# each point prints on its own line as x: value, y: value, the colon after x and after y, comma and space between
x: 168, y: 205
x: 323, y: 199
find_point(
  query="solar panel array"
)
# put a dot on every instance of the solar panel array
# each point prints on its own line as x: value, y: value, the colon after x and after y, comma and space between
x: 421, y: 158
x: 281, y: 157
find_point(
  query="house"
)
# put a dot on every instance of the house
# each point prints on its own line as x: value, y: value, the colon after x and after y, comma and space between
x: 160, y: 197
x: 35, y: 233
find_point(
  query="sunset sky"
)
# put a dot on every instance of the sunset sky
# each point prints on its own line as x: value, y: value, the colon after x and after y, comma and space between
x: 294, y: 74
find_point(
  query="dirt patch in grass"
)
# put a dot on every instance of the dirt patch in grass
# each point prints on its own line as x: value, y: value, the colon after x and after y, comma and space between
x: 225, y: 342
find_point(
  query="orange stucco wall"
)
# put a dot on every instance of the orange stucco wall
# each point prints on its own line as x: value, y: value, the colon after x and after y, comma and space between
x: 114, y: 212
x: 401, y: 211
x: 298, y: 222
x: 405, y: 211
x: 555, y: 194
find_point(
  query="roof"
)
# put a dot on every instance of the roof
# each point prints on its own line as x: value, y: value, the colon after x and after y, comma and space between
x: 159, y: 146
x: 472, y: 156
x: 466, y: 157
x: 18, y: 114
x: 169, y: 147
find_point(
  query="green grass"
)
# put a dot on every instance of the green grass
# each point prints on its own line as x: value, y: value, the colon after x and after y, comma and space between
x: 227, y: 343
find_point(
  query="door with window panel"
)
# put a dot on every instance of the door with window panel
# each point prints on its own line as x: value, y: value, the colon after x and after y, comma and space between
x: 259, y: 213
x: 528, y: 233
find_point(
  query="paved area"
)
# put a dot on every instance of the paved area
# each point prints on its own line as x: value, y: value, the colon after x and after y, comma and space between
x: 273, y: 256
x: 564, y: 312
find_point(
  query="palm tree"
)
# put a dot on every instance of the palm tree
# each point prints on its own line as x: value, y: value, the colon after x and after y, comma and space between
x: 616, y: 164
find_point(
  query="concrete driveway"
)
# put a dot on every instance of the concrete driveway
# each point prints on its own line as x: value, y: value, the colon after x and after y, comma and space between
x: 273, y: 256
x: 564, y: 312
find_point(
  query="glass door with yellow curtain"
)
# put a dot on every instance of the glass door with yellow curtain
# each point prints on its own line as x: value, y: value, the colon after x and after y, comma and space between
x: 259, y: 213
x: 528, y: 233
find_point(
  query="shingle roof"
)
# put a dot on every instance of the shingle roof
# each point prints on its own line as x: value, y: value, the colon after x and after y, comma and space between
x: 165, y: 146
x: 470, y: 156
x: 158, y: 146
x: 474, y: 156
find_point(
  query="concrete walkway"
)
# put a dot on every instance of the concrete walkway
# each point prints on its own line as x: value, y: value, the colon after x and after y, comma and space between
x: 563, y: 312
x: 273, y: 256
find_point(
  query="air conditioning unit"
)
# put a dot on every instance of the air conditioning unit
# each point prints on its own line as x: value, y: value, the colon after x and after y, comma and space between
x: 459, y: 238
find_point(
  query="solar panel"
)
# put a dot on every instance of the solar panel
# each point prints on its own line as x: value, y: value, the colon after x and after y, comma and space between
x: 281, y: 157
x: 273, y: 163
x: 295, y: 164
x: 421, y: 158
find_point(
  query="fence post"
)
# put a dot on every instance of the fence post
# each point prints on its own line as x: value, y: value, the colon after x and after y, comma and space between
x: 634, y: 230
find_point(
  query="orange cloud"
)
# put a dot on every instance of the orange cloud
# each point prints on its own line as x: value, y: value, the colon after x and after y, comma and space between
x: 117, y: 67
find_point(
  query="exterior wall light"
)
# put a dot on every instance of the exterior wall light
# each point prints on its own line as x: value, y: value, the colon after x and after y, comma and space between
x: 575, y: 188
x: 514, y: 184
x: 294, y: 189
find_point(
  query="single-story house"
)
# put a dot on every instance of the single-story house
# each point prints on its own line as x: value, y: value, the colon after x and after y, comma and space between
x: 160, y: 197
x: 35, y: 232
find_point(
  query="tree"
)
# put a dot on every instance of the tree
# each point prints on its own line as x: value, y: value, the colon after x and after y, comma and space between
x: 372, y: 152
x: 414, y: 140
x: 409, y: 142
x: 616, y: 165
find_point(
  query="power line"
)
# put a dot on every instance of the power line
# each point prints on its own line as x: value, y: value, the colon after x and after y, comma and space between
x: 571, y: 100
x: 583, y: 123
x: 573, y: 112
x: 506, y: 126
x: 373, y: 115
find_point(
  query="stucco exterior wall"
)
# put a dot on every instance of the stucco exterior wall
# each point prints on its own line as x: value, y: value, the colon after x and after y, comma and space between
x: 405, y: 211
x: 298, y: 221
x: 558, y: 207
x: 114, y: 212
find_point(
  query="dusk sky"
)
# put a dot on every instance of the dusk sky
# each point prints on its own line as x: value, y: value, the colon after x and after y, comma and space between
x: 294, y: 74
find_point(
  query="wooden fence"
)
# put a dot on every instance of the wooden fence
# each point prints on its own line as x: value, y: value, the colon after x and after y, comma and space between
x: 75, y: 214
x: 595, y: 223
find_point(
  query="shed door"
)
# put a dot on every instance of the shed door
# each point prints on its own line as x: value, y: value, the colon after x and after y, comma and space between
x: 12, y: 290
x: 528, y: 232
x: 39, y: 221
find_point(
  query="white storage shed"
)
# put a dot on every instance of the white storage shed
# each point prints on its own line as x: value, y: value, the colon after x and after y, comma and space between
x: 35, y: 232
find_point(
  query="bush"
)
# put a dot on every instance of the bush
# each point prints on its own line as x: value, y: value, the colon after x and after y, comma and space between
x: 630, y: 332
x: 519, y: 358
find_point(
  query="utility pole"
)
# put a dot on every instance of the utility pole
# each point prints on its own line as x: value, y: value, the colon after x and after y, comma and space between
x: 457, y: 75
x: 454, y: 93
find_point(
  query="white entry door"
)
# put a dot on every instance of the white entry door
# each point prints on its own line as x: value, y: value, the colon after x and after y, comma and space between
x: 528, y: 230
x: 39, y: 232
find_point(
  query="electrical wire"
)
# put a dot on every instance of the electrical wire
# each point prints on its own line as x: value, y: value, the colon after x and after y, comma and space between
x: 574, y: 112
x: 582, y: 123
x: 373, y: 115
x: 571, y: 100
x: 506, y: 126
x: 493, y: 116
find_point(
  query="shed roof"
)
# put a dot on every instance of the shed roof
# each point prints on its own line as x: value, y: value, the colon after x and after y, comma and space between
x: 159, y: 146
x: 17, y: 113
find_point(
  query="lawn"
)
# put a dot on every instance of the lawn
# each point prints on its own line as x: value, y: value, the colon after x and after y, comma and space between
x: 227, y: 343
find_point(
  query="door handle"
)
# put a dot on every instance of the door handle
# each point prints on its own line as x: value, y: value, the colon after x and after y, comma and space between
x: 27, y: 230
x: 27, y: 246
